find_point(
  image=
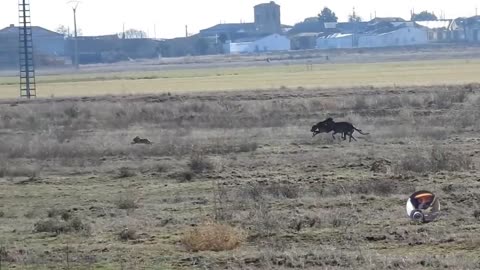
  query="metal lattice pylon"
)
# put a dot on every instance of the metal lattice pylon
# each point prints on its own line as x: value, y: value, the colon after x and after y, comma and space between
x: 27, y: 66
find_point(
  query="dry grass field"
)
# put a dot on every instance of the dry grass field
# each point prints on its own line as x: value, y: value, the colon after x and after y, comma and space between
x: 234, y: 179
x: 425, y: 72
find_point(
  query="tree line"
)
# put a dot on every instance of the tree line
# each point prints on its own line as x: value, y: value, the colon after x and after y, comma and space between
x: 327, y: 15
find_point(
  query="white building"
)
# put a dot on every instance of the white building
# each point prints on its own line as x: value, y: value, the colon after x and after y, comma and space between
x: 439, y: 31
x: 335, y: 41
x: 274, y: 42
x: 405, y: 36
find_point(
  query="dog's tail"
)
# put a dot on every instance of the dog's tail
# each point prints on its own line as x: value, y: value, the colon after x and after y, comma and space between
x: 360, y: 131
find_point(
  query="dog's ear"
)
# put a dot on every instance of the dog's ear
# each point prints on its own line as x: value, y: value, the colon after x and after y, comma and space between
x: 329, y: 119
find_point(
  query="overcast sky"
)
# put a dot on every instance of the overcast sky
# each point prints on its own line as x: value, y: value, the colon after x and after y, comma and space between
x: 167, y: 18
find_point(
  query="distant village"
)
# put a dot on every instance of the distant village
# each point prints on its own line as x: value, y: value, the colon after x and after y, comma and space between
x: 265, y: 34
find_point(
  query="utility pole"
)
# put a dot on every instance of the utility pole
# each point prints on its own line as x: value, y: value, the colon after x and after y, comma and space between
x: 186, y: 31
x: 74, y: 4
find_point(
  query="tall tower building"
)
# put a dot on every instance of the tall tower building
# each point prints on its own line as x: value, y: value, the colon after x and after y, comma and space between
x: 267, y: 18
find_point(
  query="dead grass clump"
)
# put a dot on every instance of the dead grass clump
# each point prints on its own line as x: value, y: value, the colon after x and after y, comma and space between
x: 125, y: 172
x: 465, y: 119
x: 446, y: 160
x: 377, y: 187
x: 296, y: 257
x: 128, y: 234
x: 261, y: 218
x: 7, y: 170
x: 283, y: 190
x: 212, y: 236
x: 413, y: 162
x: 381, y: 166
x: 56, y: 225
x: 252, y: 191
x: 470, y: 87
x: 438, y: 159
x: 257, y: 191
x: 391, y: 102
x: 72, y: 111
x: 200, y: 163
x: 476, y: 214
x: 247, y: 147
x: 62, y: 213
x: 161, y: 168
x: 64, y: 134
x: 446, y: 99
x: 185, y: 176
x: 360, y: 103
x: 127, y: 202
x: 433, y: 133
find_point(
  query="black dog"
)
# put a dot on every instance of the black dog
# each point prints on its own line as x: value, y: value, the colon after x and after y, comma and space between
x: 138, y: 140
x: 341, y: 127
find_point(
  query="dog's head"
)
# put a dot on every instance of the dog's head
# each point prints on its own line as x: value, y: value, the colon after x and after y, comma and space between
x: 321, y: 128
x: 136, y: 139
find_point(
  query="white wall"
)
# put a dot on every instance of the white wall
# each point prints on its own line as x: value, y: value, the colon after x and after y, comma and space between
x: 401, y: 37
x: 273, y: 42
x: 240, y: 47
x: 335, y: 42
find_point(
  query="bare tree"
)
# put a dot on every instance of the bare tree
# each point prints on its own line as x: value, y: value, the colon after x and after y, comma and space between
x: 354, y: 18
x: 62, y: 29
x: 65, y: 31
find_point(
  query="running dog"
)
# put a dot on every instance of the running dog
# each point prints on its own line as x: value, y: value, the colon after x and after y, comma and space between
x: 345, y: 128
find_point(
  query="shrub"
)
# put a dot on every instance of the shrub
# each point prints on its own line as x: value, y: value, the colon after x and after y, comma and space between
x: 72, y: 111
x: 360, y: 103
x: 213, y: 237
x: 446, y: 99
x: 446, y: 160
x: 126, y: 202
x: 438, y: 159
x: 476, y: 214
x: 413, y: 162
x: 125, y: 172
x: 248, y: 147
x: 62, y: 213
x: 199, y: 163
x: 55, y: 225
x: 289, y: 190
x: 185, y: 176
x: 377, y: 187
x: 161, y: 168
